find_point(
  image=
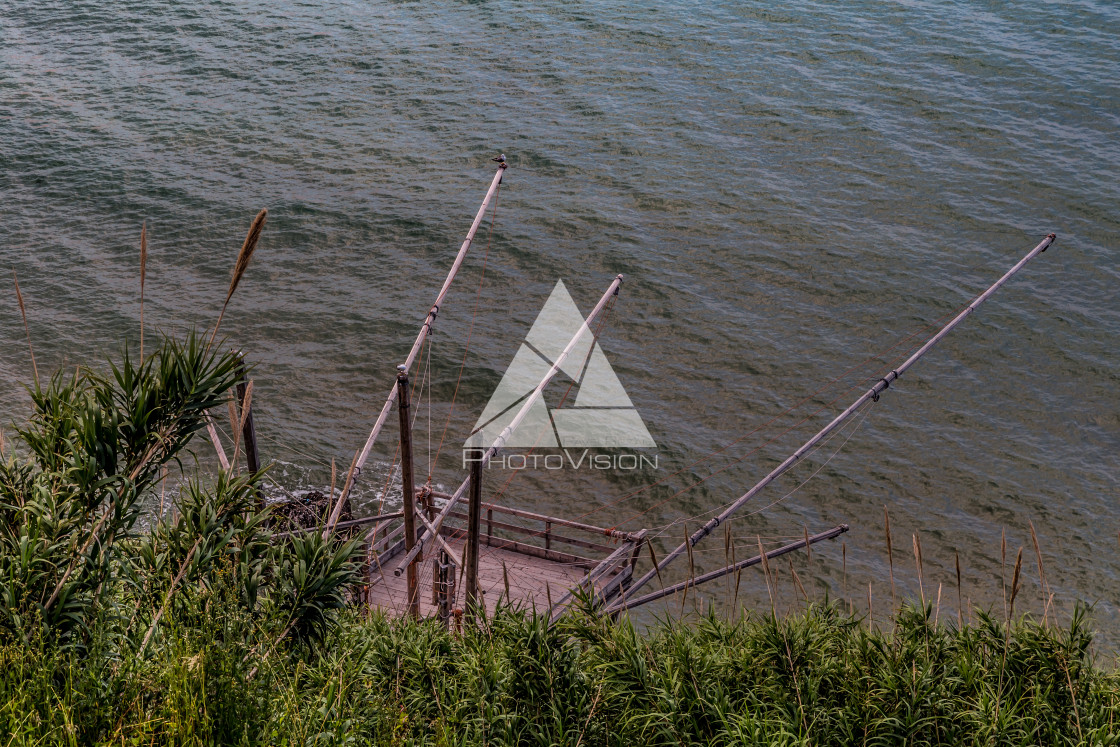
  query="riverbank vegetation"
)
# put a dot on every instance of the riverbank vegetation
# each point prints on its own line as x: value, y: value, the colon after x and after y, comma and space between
x: 203, y: 626
x: 815, y: 678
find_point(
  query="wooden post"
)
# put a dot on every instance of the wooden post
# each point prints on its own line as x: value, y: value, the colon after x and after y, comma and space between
x: 474, y: 521
x: 371, y: 538
x: 445, y: 571
x: 408, y: 489
x: 249, y: 432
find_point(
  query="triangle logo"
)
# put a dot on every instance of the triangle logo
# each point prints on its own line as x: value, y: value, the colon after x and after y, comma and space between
x: 602, y: 415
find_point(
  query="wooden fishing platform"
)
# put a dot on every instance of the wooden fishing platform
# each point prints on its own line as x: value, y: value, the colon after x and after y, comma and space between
x: 526, y: 560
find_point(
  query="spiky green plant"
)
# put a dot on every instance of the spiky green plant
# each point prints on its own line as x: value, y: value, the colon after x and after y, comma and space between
x: 96, y: 442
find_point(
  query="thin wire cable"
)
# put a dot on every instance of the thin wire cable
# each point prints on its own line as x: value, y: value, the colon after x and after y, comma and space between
x: 427, y: 374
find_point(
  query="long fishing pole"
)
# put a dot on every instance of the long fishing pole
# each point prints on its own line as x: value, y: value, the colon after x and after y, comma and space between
x: 729, y: 569
x: 500, y: 441
x: 871, y: 394
x: 425, y: 328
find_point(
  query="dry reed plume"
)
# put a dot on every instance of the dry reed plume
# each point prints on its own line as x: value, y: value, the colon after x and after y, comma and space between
x: 26, y: 329
x: 242, y: 264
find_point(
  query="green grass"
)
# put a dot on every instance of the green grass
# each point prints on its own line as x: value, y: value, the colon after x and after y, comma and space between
x: 817, y: 677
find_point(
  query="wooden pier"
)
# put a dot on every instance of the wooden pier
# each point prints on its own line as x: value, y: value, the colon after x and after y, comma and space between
x: 526, y: 560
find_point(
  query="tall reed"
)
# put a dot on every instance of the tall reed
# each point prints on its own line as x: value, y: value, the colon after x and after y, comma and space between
x: 26, y: 329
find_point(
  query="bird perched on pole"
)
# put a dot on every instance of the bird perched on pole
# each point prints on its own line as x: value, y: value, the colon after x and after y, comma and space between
x: 499, y: 159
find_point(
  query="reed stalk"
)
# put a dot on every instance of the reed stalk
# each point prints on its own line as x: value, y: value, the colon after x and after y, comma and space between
x: 653, y: 557
x: 246, y: 405
x: 918, y: 563
x: 890, y: 552
x: 691, y: 568
x: 231, y: 411
x: 769, y: 579
x: 960, y: 608
x: 1003, y: 570
x: 1044, y: 587
x: 797, y: 580
x: 167, y: 597
x: 1007, y: 634
x: 727, y: 552
x: 212, y: 431
x: 143, y: 275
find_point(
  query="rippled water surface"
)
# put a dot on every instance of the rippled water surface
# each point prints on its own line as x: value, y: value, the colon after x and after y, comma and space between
x: 791, y: 189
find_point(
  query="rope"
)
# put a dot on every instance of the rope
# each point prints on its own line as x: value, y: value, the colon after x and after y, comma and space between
x: 427, y: 376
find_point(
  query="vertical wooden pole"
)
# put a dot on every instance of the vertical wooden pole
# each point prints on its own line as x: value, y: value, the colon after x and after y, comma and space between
x: 370, y: 539
x: 474, y: 521
x: 444, y: 573
x: 408, y: 488
x: 249, y: 433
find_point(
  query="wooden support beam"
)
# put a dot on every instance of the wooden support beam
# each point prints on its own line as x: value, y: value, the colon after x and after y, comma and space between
x: 408, y: 487
x: 526, y: 406
x: 871, y: 395
x: 248, y: 432
x: 474, y: 522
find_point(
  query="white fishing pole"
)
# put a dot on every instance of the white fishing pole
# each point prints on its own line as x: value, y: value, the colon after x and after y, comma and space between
x: 425, y: 329
x: 500, y: 441
x: 870, y: 395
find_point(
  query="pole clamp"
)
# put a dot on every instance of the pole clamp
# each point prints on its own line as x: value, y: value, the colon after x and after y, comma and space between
x: 886, y: 385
